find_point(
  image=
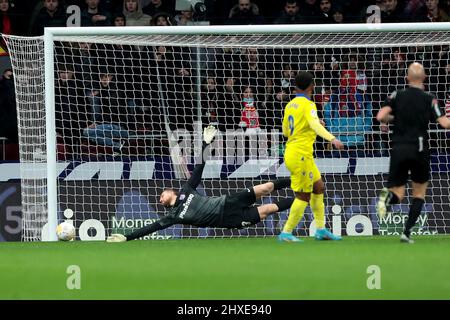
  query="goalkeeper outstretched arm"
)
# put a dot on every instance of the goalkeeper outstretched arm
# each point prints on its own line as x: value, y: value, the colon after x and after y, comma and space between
x: 208, y: 136
x: 161, y: 224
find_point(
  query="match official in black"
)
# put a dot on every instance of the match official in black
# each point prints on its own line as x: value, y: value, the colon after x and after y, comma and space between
x: 410, y: 110
x: 232, y: 211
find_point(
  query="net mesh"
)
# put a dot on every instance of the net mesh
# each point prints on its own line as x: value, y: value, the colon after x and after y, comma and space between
x: 28, y: 65
x: 130, y: 111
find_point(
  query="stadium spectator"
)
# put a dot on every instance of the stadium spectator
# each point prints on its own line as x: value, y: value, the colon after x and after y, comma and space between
x: 212, y: 101
x: 94, y: 15
x: 354, y: 72
x: 162, y: 19
x: 251, y: 68
x: 446, y: 6
x: 338, y: 15
x: 51, y: 15
x: 132, y: 10
x: 249, y: 115
x: 327, y: 73
x: 348, y: 115
x: 20, y: 11
x: 416, y: 10
x: 119, y: 20
x: 434, y: 13
x: 290, y: 14
x: 325, y: 12
x: 225, y: 60
x: 310, y: 10
x: 393, y: 69
x: 174, y: 74
x: 157, y: 6
x: 8, y: 113
x: 109, y: 115
x: 232, y: 103
x: 111, y: 6
x: 245, y: 12
x: 6, y: 21
x: 287, y: 78
x: 271, y: 118
x: 70, y: 109
x: 87, y: 62
x: 392, y: 12
x: 184, y: 18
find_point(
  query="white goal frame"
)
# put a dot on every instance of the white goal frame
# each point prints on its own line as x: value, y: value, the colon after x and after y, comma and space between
x: 51, y: 33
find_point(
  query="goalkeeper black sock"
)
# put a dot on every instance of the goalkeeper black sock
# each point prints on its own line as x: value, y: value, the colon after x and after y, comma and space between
x: 284, y: 204
x: 281, y: 183
x: 414, y: 212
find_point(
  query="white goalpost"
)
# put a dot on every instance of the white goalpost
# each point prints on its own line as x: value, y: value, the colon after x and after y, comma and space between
x: 109, y: 117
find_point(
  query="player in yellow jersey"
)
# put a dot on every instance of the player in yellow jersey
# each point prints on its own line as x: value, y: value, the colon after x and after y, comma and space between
x: 301, y: 125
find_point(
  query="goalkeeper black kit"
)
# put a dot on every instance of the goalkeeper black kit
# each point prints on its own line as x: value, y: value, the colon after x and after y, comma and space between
x: 190, y: 208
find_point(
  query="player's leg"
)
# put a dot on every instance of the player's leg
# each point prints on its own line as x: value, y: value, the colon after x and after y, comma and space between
x: 318, y: 209
x: 301, y: 169
x: 298, y: 207
x: 420, y: 175
x: 243, y: 217
x: 268, y: 187
x: 388, y: 197
x: 302, y: 185
x: 266, y: 210
x: 397, y: 179
x: 419, y: 191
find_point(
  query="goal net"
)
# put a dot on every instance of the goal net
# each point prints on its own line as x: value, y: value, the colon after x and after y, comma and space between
x: 126, y: 108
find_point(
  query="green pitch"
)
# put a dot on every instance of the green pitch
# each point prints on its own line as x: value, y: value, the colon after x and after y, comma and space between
x: 228, y: 269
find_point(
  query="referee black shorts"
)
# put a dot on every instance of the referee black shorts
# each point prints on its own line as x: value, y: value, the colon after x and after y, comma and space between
x: 238, y: 210
x: 406, y: 159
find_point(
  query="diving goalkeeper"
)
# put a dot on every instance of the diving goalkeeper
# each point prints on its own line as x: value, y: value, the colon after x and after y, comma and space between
x: 235, y: 210
x: 301, y: 125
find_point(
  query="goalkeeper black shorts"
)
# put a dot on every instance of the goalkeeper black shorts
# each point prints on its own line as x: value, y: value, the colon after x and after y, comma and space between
x: 238, y: 211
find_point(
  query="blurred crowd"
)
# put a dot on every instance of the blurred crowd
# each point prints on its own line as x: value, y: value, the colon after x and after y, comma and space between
x: 106, y: 94
x: 47, y: 13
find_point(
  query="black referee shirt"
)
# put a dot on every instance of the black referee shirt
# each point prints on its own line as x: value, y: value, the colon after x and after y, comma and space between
x: 413, y: 109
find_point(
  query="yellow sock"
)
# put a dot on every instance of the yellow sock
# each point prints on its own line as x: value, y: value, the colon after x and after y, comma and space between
x: 295, y: 215
x: 318, y: 209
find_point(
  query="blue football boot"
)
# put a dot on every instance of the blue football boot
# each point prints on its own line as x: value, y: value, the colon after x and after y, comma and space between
x: 288, y: 237
x: 324, y: 234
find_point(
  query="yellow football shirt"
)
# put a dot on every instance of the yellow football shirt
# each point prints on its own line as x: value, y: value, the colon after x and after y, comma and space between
x: 297, y: 114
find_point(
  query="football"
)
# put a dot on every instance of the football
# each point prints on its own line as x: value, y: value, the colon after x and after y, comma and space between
x: 65, y: 231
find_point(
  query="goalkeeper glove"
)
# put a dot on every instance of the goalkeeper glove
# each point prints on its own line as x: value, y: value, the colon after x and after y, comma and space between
x: 116, y: 237
x: 209, y: 133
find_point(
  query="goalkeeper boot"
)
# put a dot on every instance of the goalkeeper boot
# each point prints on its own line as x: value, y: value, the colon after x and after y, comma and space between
x: 381, y: 204
x: 406, y: 239
x: 288, y: 237
x: 324, y: 234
